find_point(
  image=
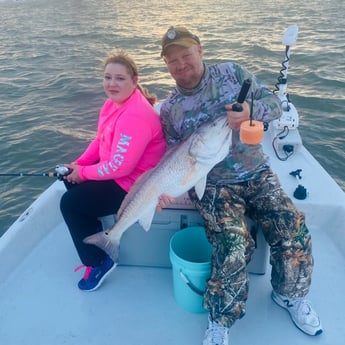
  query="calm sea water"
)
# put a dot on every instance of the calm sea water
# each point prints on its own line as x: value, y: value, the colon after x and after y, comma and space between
x: 51, y: 72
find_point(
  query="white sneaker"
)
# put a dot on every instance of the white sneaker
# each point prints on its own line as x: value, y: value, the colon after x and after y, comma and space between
x: 216, y: 334
x: 301, y: 312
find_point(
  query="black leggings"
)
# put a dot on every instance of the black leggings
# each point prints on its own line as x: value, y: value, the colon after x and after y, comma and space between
x: 81, y: 205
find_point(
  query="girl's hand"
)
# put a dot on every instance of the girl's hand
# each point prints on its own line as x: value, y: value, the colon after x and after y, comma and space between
x: 73, y: 177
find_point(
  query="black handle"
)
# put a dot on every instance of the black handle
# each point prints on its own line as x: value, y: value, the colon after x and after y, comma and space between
x: 242, y: 95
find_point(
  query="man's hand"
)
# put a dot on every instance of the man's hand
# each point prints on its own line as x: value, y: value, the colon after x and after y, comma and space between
x: 164, y: 201
x: 235, y: 118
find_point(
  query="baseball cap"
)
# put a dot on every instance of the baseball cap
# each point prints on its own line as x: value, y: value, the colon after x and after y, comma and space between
x: 178, y: 35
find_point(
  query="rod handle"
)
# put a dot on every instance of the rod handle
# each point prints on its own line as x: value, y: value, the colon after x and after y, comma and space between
x: 242, y: 95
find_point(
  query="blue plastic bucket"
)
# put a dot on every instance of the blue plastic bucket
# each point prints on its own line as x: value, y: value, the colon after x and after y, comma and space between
x: 190, y: 256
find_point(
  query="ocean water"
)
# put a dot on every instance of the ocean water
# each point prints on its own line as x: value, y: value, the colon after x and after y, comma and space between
x: 51, y: 72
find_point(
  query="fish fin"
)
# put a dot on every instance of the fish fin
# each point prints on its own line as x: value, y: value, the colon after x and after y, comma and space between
x: 200, y: 187
x: 103, y: 241
x: 146, y: 219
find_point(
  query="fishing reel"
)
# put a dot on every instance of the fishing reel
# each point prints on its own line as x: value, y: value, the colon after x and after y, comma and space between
x: 61, y: 170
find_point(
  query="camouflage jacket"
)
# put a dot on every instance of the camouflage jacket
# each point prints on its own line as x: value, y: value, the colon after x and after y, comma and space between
x: 186, y: 109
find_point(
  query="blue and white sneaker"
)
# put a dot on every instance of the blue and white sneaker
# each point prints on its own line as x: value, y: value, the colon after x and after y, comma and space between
x: 94, y: 276
x: 301, y: 312
x: 216, y: 334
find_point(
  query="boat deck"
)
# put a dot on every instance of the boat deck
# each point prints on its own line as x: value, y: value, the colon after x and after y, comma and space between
x: 41, y: 304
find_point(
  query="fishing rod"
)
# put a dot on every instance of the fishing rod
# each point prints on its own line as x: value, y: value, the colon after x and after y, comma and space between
x: 60, y: 171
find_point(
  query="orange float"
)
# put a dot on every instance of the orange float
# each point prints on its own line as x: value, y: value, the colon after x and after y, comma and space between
x: 251, y: 132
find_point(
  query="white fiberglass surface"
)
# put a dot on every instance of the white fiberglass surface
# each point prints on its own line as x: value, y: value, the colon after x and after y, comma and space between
x: 41, y: 304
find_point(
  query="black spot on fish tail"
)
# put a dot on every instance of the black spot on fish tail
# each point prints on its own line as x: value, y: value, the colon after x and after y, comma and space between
x: 103, y: 241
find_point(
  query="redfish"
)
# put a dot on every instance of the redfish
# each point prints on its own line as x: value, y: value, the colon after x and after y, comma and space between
x: 185, y: 165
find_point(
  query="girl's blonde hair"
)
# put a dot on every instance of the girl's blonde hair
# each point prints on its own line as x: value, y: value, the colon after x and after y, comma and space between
x: 122, y: 58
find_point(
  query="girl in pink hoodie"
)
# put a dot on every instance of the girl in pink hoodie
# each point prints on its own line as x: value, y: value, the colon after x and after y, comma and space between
x: 129, y: 141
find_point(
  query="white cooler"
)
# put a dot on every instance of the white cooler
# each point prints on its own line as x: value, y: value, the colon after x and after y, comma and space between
x: 141, y: 248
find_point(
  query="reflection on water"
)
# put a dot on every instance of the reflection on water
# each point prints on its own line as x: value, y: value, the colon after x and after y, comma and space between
x: 51, y: 71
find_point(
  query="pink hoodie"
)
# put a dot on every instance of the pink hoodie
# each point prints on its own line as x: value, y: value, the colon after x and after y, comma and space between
x: 129, y: 142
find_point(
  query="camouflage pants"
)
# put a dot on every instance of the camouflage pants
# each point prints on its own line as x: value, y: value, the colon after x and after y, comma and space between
x: 223, y: 208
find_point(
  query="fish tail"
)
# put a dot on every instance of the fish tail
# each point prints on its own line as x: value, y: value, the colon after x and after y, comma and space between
x: 103, y: 241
